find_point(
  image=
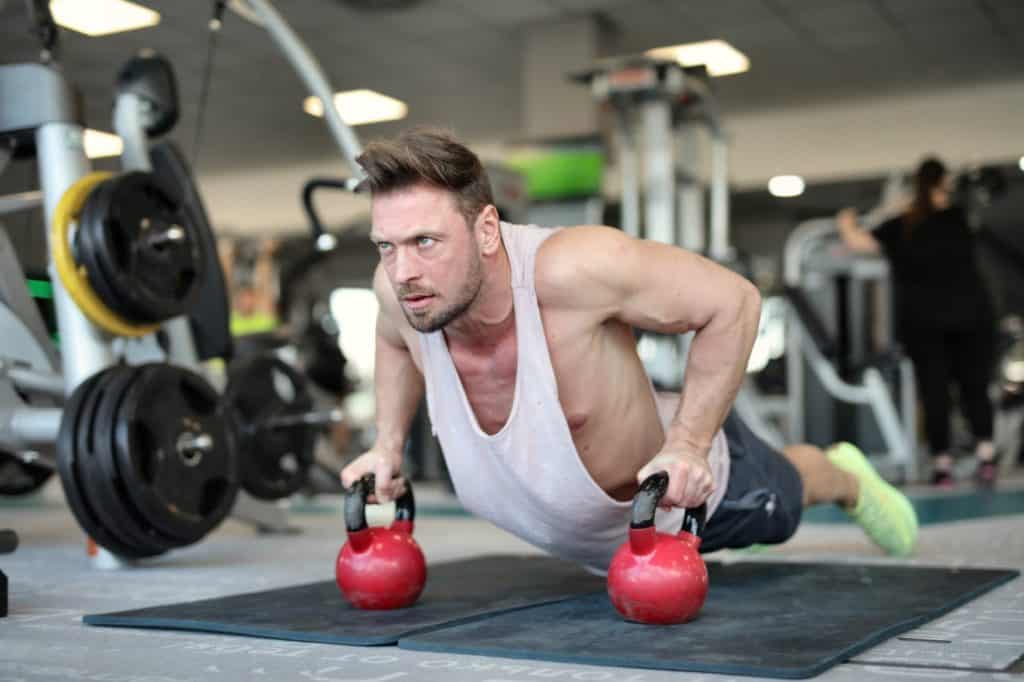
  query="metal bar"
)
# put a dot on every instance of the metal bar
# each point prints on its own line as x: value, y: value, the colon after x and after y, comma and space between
x: 719, y: 247
x: 31, y: 425
x: 323, y: 418
x: 888, y: 420
x: 22, y: 201
x: 659, y: 179
x: 306, y: 66
x: 62, y: 161
x: 128, y: 124
x: 630, y: 178
x: 34, y: 381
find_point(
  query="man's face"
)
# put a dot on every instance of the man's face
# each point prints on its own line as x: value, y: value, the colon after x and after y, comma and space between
x: 429, y: 253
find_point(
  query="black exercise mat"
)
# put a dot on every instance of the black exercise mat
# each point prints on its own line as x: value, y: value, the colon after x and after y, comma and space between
x: 764, y: 619
x: 455, y: 592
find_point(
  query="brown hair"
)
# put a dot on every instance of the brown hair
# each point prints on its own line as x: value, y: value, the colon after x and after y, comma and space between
x: 929, y: 175
x: 429, y: 155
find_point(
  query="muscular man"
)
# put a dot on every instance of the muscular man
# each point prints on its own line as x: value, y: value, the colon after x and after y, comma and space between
x: 522, y: 339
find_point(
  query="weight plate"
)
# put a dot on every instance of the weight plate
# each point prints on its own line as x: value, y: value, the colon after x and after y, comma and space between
x: 19, y: 478
x: 67, y: 456
x: 274, y: 461
x: 158, y: 278
x: 95, y: 466
x: 182, y: 490
x: 87, y: 246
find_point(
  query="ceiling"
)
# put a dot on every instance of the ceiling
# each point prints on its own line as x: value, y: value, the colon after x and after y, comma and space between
x: 459, y: 62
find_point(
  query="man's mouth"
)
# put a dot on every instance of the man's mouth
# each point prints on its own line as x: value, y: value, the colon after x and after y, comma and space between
x: 417, y: 300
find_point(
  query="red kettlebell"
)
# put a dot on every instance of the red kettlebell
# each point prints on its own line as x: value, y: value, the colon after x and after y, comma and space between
x: 658, y: 578
x: 379, y: 568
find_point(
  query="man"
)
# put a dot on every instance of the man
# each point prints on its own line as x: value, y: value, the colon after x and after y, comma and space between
x: 522, y: 339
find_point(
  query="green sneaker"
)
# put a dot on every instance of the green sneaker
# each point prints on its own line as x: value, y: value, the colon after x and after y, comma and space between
x: 884, y: 513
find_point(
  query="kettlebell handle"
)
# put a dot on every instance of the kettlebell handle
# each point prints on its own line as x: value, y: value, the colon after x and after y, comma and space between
x: 646, y: 500
x: 355, y: 504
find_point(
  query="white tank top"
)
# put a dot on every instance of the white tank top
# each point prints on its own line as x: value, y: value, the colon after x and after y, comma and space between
x: 528, y: 478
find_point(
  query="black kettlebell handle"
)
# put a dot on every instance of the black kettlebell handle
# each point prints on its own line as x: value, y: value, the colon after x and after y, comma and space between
x: 355, y: 503
x: 646, y: 500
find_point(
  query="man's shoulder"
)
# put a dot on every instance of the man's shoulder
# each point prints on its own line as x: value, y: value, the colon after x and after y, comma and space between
x: 570, y: 258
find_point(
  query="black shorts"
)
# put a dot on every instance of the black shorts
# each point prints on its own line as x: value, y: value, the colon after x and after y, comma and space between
x: 764, y: 498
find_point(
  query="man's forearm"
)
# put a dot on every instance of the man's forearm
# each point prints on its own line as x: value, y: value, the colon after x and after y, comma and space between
x: 398, y: 387
x: 715, y: 369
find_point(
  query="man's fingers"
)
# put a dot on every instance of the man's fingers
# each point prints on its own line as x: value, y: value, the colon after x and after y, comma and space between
x: 383, y: 472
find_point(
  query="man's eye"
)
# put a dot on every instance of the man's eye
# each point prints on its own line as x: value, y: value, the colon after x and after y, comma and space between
x: 425, y: 241
x: 383, y: 247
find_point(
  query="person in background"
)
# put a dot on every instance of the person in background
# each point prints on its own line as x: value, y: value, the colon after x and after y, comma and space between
x: 944, y: 314
x: 253, y: 295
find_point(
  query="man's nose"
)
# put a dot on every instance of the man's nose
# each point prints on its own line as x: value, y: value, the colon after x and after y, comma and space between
x: 406, y: 267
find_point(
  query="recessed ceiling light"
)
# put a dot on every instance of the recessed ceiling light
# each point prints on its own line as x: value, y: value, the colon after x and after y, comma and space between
x: 359, y: 107
x: 99, y: 144
x: 786, y: 186
x: 102, y: 17
x: 720, y: 58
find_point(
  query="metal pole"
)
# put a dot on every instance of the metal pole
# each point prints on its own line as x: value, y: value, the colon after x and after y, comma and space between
x: 305, y: 64
x: 22, y: 201
x: 62, y: 161
x: 128, y: 124
x: 719, y: 248
x: 691, y: 234
x: 27, y: 426
x: 659, y: 178
x: 630, y: 178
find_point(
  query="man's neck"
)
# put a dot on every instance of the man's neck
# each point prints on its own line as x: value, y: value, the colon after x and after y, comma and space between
x: 491, y: 317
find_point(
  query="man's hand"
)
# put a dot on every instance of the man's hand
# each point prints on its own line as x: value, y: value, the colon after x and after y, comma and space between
x: 689, y: 478
x: 385, y: 468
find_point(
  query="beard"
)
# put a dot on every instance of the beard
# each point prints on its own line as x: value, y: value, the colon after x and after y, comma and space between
x: 426, y: 322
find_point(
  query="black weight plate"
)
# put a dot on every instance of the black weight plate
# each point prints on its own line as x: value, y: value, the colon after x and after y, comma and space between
x: 97, y: 474
x: 18, y: 478
x: 81, y: 507
x: 154, y: 281
x: 274, y: 462
x: 87, y: 249
x: 181, y: 497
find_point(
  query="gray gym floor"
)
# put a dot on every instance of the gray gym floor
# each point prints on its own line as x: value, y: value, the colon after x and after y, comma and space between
x: 52, y: 584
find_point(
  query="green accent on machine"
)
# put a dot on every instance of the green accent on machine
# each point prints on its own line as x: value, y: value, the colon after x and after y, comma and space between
x: 560, y: 174
x: 40, y: 288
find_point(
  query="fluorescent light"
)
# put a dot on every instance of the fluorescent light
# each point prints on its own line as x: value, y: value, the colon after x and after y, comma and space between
x: 99, y: 144
x: 101, y: 17
x: 720, y: 58
x: 358, y: 107
x: 1020, y: 163
x: 786, y: 186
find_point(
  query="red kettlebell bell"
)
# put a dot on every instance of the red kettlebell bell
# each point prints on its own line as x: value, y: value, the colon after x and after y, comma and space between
x: 379, y: 568
x: 654, y: 577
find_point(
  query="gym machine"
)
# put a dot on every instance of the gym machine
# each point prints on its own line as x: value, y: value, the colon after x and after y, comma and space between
x: 660, y: 108
x: 846, y: 378
x: 151, y: 456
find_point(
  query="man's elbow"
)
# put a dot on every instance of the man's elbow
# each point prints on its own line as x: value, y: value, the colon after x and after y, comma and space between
x: 750, y: 306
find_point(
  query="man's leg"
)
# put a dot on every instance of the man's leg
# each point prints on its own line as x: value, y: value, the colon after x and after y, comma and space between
x: 806, y: 474
x: 823, y: 481
x: 844, y: 476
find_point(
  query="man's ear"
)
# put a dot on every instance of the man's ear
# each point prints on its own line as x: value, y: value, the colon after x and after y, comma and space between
x: 488, y: 230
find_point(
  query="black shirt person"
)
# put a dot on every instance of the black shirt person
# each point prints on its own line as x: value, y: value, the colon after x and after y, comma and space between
x: 944, y: 314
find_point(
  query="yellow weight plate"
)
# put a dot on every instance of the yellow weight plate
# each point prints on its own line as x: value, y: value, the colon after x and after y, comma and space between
x: 73, y: 277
